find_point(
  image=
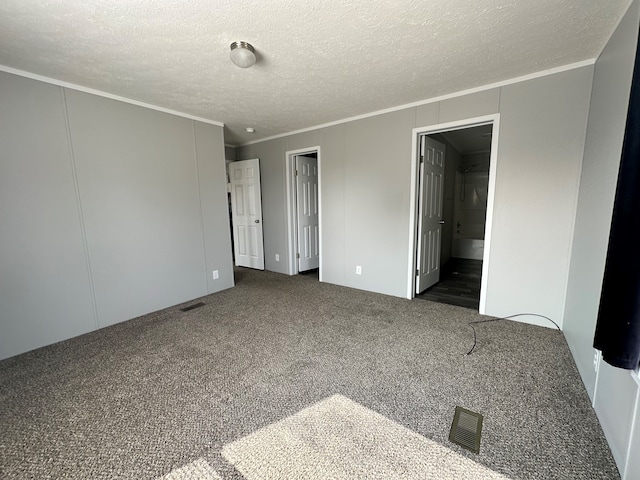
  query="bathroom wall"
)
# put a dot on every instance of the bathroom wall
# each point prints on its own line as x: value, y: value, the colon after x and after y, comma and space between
x: 470, y: 205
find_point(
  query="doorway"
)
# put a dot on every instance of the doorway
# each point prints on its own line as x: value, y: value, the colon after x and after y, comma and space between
x: 246, y: 213
x: 460, y: 221
x: 304, y: 212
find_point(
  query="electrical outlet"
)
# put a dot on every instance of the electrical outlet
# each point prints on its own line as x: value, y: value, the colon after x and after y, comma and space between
x: 216, y: 275
x: 277, y: 257
x: 358, y: 270
x: 596, y: 360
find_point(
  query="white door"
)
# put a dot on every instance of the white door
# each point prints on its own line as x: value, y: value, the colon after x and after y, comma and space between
x: 246, y: 213
x: 307, y: 209
x: 430, y: 213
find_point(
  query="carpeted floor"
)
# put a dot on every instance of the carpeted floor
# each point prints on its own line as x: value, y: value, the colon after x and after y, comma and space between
x: 183, y: 394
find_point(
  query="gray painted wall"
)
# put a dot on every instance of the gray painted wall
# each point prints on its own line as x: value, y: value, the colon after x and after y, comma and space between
x: 45, y: 294
x: 229, y: 153
x: 613, y: 391
x: 376, y: 173
x: 541, y: 140
x: 366, y: 179
x: 109, y: 211
x: 273, y: 182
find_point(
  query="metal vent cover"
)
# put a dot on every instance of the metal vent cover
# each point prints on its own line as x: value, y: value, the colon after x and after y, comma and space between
x: 191, y: 307
x: 466, y: 429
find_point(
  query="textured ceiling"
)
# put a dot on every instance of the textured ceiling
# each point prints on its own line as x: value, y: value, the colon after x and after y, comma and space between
x: 318, y: 61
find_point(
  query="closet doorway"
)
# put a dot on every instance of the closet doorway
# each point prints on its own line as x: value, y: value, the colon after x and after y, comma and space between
x: 303, y: 211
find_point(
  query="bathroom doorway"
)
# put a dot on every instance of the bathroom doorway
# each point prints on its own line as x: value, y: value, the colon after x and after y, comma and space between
x: 463, y: 216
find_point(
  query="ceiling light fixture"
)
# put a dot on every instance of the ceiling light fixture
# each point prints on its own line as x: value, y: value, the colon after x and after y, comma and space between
x: 250, y: 130
x: 242, y: 54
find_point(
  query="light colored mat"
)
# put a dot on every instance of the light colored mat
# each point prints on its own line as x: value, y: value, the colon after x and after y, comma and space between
x: 340, y: 439
x: 196, y: 470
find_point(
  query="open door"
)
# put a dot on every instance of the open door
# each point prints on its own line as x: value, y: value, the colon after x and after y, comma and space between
x: 307, y: 213
x: 429, y: 213
x: 246, y: 213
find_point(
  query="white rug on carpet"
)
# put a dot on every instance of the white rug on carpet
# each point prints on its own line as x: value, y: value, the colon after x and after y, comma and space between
x: 196, y: 470
x: 340, y: 439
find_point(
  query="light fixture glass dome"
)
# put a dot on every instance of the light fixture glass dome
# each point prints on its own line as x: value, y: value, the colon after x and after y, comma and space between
x: 242, y: 54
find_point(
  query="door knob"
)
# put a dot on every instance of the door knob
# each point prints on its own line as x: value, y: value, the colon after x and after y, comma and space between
x: 441, y: 222
x: 258, y: 221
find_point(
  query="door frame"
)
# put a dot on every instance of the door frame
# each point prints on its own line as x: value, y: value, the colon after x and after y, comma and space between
x: 292, y: 222
x: 493, y: 119
x: 425, y: 250
x: 234, y: 223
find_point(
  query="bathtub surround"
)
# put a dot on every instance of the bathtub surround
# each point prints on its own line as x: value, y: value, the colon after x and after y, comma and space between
x: 471, y: 248
x: 470, y: 210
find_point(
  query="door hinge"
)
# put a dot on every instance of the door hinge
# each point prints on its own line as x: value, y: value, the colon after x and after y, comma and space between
x: 296, y: 173
x: 417, y: 272
x: 421, y: 158
x: 297, y: 255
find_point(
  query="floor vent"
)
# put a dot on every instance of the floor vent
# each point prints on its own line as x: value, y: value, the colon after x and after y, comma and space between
x: 466, y: 429
x: 191, y: 307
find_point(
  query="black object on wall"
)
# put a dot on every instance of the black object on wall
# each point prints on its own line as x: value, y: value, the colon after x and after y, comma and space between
x: 618, y: 327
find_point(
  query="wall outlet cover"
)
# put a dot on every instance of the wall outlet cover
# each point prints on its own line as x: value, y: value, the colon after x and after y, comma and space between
x: 216, y: 275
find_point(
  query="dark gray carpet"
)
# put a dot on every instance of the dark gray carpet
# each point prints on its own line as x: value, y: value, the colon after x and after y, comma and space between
x: 337, y: 438
x: 145, y: 397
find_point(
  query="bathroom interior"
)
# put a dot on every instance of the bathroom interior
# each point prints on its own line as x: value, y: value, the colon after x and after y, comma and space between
x: 466, y: 187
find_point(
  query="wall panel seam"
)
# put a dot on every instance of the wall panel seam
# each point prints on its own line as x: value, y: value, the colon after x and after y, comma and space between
x: 76, y: 185
x: 204, y: 240
x: 576, y: 205
x: 634, y: 420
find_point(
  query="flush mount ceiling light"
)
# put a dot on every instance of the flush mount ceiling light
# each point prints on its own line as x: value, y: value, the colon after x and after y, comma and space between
x: 242, y: 54
x: 250, y: 130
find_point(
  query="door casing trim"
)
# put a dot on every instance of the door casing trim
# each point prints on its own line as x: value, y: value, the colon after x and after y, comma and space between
x: 413, y: 198
x: 292, y: 234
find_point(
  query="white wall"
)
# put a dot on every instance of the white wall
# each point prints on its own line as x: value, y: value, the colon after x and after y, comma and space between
x: 366, y: 180
x: 472, y: 211
x: 108, y: 211
x: 613, y: 391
